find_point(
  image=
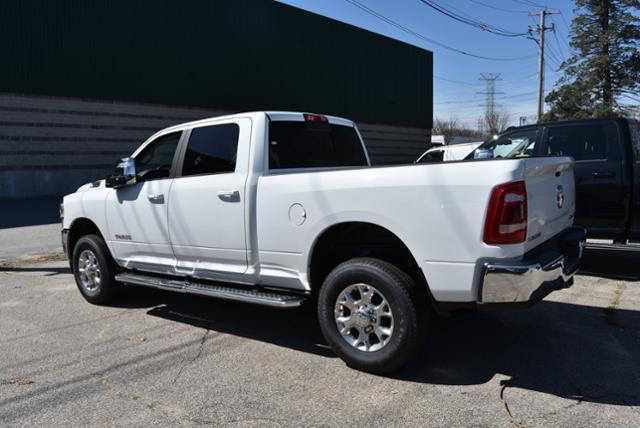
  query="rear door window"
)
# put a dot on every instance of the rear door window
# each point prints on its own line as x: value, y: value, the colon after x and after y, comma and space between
x: 211, y: 150
x: 581, y: 142
x: 313, y: 145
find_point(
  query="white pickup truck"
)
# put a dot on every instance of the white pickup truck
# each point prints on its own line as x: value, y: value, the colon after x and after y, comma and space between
x: 276, y: 208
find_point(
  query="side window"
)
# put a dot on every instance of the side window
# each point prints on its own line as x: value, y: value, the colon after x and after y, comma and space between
x: 582, y: 142
x: 211, y: 150
x: 154, y: 162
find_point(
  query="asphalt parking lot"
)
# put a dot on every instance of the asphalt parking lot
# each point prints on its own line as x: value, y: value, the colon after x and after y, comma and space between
x: 164, y: 359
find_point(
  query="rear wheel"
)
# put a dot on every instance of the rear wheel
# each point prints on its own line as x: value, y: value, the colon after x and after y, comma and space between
x: 371, y: 314
x: 94, y: 270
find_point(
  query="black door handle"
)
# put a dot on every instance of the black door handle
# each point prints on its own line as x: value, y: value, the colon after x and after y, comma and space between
x: 607, y: 174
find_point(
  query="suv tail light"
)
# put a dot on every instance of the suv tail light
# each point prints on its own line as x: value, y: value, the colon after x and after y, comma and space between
x: 506, y: 221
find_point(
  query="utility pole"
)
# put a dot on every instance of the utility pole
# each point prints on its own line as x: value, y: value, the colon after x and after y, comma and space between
x: 541, y: 30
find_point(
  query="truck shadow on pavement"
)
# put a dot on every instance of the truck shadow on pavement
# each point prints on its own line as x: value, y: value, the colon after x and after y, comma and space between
x: 571, y: 351
x: 291, y: 328
x: 584, y: 353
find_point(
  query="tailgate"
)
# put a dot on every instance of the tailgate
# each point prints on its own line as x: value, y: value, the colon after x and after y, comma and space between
x: 550, y: 197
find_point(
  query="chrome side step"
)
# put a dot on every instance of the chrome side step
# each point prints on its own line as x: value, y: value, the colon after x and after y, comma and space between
x: 613, y: 247
x: 189, y: 286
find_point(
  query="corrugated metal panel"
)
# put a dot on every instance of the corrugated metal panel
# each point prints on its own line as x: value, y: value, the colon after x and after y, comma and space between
x: 232, y: 55
x: 50, y: 146
x: 43, y: 132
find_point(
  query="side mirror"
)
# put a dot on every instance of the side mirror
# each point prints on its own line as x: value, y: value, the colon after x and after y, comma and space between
x: 483, y: 154
x: 124, y: 175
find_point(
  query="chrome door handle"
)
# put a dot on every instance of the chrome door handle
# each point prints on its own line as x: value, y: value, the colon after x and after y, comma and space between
x: 229, y: 195
x: 156, y: 198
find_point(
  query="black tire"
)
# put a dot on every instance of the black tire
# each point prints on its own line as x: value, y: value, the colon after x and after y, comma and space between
x: 108, y: 289
x: 407, y: 304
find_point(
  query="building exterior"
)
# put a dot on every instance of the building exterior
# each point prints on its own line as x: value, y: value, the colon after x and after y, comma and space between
x: 83, y: 83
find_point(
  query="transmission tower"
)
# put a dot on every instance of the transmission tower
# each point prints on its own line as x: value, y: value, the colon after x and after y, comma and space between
x: 490, y: 80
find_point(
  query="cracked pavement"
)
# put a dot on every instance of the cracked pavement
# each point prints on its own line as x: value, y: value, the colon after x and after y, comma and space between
x: 176, y: 360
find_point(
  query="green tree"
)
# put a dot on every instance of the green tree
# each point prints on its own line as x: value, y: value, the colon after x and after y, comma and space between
x: 605, y: 65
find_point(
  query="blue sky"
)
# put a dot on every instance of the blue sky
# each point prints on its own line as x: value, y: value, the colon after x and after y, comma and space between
x: 460, y: 98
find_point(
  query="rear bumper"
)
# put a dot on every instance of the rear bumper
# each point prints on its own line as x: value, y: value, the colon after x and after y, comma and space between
x: 541, y: 271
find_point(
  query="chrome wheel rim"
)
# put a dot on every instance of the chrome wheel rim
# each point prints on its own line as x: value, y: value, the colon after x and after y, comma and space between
x: 363, y: 317
x: 89, y: 271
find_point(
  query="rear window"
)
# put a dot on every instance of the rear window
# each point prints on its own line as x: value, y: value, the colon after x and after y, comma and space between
x: 313, y: 145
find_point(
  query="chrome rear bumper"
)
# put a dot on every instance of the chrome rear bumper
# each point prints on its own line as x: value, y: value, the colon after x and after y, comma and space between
x: 538, y: 273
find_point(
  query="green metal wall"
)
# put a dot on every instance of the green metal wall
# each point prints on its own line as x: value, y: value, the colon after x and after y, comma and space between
x: 225, y: 54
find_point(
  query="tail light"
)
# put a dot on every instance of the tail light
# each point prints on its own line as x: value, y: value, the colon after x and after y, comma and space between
x: 506, y: 221
x: 315, y: 118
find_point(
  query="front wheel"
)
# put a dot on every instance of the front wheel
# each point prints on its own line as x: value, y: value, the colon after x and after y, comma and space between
x: 94, y: 270
x: 371, y: 314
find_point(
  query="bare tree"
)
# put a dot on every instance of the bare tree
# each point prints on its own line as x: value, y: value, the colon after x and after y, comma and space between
x: 452, y: 127
x: 496, y: 121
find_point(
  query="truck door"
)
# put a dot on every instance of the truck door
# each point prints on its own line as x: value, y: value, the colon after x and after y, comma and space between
x: 601, y: 186
x: 137, y: 214
x: 207, y: 201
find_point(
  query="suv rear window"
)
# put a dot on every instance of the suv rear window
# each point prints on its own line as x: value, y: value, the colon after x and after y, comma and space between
x: 313, y: 145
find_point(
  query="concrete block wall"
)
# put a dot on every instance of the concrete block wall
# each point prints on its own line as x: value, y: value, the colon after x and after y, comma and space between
x: 50, y: 146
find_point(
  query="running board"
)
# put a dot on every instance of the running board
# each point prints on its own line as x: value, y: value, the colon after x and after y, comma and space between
x: 613, y: 247
x: 189, y: 286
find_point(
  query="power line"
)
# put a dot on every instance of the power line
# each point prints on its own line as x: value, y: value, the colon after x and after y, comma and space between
x: 552, y: 55
x: 455, y: 81
x: 630, y: 97
x: 530, y: 3
x: 427, y: 39
x: 564, y: 21
x: 497, y: 8
x: 471, y: 21
x: 476, y: 100
x: 555, y: 35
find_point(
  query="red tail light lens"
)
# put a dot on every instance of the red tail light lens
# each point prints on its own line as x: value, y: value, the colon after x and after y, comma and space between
x: 506, y: 221
x: 315, y: 118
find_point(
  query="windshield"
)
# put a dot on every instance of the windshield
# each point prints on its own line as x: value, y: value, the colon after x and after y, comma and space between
x: 516, y: 144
